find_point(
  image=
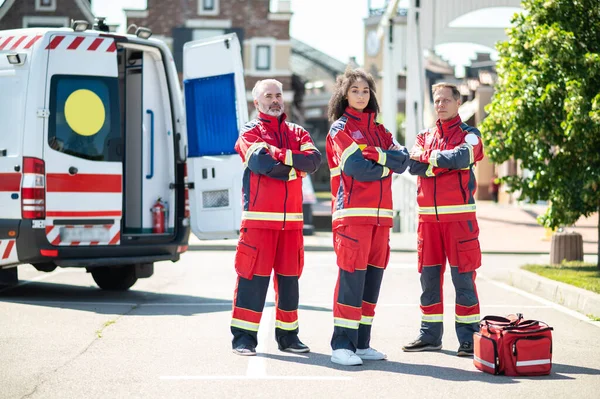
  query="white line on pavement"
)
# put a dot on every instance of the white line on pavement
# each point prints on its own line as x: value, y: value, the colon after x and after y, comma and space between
x: 257, y: 365
x: 33, y: 280
x: 245, y: 377
x: 548, y: 303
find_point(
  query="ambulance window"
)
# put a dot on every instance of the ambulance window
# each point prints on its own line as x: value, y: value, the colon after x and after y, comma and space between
x: 84, y: 117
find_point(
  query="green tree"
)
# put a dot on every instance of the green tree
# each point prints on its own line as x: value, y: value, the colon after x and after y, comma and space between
x: 546, y: 109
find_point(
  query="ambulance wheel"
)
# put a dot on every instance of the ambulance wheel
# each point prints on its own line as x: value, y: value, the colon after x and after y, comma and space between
x: 116, y: 278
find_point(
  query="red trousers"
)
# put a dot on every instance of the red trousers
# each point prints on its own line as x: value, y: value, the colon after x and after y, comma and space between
x: 259, y: 252
x: 362, y: 253
x: 458, y: 243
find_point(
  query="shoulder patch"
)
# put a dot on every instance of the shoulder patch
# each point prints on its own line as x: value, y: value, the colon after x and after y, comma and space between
x: 338, y: 125
x: 472, y: 139
x: 470, y: 129
x: 249, y: 125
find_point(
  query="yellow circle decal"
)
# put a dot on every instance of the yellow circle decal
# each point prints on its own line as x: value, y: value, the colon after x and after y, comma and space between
x: 84, y: 112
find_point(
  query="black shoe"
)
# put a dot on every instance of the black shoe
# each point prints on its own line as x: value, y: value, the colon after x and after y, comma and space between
x: 244, y: 350
x: 465, y: 349
x: 291, y: 343
x: 419, y: 346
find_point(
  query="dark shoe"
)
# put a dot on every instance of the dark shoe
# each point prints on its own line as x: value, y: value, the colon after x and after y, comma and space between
x: 465, y: 349
x: 291, y: 343
x: 244, y: 350
x: 419, y: 346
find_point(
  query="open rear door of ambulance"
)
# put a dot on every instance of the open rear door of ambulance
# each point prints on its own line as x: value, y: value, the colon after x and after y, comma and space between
x: 216, y: 109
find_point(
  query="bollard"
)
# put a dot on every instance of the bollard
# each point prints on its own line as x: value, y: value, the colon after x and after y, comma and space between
x: 566, y: 246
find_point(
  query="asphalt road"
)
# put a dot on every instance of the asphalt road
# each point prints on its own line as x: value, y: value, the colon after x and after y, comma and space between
x: 168, y: 337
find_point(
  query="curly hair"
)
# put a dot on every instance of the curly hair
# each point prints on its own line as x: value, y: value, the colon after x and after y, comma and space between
x: 339, y: 100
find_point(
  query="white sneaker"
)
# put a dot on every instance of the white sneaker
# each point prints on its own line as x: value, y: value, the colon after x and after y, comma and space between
x: 370, y: 354
x: 345, y: 357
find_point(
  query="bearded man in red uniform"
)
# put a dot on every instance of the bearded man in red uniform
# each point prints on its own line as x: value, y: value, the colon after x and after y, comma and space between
x: 276, y: 154
x: 443, y: 158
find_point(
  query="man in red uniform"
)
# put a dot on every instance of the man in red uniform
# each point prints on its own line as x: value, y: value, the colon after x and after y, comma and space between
x: 276, y: 154
x: 444, y: 157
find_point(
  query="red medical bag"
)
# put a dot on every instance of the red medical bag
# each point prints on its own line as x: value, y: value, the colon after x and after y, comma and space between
x: 513, y: 346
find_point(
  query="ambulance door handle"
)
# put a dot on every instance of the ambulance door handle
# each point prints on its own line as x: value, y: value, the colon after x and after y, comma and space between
x: 73, y: 170
x: 149, y: 176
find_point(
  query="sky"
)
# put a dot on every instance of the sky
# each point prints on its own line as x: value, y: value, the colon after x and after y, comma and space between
x: 318, y: 23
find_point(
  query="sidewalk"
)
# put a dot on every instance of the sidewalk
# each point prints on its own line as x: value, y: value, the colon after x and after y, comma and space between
x: 504, y: 230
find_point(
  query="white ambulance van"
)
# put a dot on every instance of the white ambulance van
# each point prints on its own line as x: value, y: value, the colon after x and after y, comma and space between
x: 94, y: 131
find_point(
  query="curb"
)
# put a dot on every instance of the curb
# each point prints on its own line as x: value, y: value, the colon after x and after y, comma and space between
x: 578, y: 299
x: 322, y: 248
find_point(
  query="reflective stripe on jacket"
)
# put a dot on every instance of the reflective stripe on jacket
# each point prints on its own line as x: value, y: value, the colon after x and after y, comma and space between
x: 361, y: 188
x: 446, y: 184
x: 276, y: 154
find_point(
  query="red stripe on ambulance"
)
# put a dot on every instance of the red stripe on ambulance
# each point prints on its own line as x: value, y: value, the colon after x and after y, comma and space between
x: 83, y: 183
x: 32, y: 42
x: 4, y: 43
x: 9, y: 248
x: 10, y: 182
x: 55, y: 42
x: 16, y: 44
x: 83, y: 213
x: 112, y: 48
x: 95, y: 44
x: 76, y: 43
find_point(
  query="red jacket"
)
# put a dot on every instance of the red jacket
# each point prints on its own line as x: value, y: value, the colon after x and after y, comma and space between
x: 361, y: 184
x: 446, y: 184
x: 276, y: 154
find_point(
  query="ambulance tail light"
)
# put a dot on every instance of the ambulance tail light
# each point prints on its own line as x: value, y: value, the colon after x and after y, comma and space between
x: 186, y: 213
x: 33, y: 191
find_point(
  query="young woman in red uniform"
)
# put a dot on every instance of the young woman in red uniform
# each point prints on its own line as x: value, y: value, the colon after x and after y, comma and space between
x: 361, y: 155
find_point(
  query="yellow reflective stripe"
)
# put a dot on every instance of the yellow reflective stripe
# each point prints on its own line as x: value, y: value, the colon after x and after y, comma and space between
x: 286, y: 326
x: 444, y: 210
x: 254, y: 147
x: 244, y: 325
x: 433, y: 158
x: 382, y: 160
x: 352, y: 148
x: 433, y: 318
x: 273, y: 216
x: 386, y: 171
x: 471, y: 155
x: 289, y: 161
x: 358, y: 212
x: 292, y: 175
x: 429, y: 171
x: 335, y: 171
x: 474, y: 318
x: 307, y: 146
x: 368, y: 320
x: 339, y: 322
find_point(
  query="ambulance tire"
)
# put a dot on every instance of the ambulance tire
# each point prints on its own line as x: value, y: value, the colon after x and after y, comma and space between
x: 115, y: 278
x: 45, y: 267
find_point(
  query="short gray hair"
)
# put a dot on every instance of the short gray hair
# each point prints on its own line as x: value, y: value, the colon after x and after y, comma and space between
x: 445, y: 85
x: 260, y: 83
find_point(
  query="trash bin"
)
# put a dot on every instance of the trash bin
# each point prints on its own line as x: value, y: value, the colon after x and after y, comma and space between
x: 566, y: 246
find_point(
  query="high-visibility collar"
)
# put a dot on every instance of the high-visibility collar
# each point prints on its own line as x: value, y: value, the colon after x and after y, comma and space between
x: 446, y: 127
x: 364, y: 120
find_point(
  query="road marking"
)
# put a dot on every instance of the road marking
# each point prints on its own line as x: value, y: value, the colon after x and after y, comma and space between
x: 257, y: 365
x: 33, y: 280
x: 245, y: 377
x: 548, y: 303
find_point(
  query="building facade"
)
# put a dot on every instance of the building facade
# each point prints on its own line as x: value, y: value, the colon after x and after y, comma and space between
x: 17, y: 14
x: 263, y: 33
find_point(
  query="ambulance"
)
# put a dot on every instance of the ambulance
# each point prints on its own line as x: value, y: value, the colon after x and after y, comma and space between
x: 106, y: 163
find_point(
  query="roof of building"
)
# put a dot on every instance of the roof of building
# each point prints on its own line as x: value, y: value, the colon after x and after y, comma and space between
x: 309, y: 62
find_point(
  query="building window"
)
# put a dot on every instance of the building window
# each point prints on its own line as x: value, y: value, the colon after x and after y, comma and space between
x: 45, y: 21
x: 263, y: 58
x: 45, y: 5
x: 208, y: 7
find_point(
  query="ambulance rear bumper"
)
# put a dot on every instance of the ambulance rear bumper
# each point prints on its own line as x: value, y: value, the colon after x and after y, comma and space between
x: 32, y: 244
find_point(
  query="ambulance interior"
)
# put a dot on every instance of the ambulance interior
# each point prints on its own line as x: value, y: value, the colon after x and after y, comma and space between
x: 146, y: 123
